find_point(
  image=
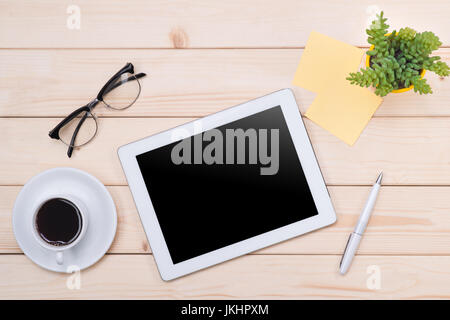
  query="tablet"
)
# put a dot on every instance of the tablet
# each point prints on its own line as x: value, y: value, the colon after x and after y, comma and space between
x: 228, y: 184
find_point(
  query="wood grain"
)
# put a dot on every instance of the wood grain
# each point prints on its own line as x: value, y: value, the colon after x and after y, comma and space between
x: 406, y: 220
x: 249, y: 277
x: 179, y: 82
x: 411, y: 151
x: 226, y: 52
x: 130, y: 237
x: 206, y: 23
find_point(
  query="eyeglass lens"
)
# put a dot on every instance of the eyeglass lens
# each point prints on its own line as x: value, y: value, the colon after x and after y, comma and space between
x: 122, y: 93
x: 86, y: 131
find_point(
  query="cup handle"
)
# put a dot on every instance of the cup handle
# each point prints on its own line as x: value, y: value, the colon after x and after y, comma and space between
x: 59, y: 257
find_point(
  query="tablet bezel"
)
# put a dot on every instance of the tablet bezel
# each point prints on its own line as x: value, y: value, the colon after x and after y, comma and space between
x: 283, y: 98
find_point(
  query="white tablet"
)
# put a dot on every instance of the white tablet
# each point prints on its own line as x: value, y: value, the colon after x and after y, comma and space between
x: 228, y: 184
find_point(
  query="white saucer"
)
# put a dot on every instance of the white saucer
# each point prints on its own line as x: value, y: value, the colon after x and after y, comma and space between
x: 102, y: 219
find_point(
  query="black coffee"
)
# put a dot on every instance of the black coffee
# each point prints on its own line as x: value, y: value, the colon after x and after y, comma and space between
x: 59, y: 222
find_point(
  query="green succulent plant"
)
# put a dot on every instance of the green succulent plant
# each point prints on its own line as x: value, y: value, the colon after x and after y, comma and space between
x: 397, y: 59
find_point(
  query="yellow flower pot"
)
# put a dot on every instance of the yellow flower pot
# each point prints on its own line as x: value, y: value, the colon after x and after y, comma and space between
x: 398, y: 90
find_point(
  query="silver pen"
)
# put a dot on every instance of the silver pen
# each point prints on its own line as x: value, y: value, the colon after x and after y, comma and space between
x: 355, y: 237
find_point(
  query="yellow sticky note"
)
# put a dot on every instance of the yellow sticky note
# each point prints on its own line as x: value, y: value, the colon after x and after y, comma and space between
x: 339, y: 107
x: 326, y: 62
x: 344, y: 111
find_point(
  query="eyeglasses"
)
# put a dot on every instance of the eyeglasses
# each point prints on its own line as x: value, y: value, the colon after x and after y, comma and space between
x: 119, y: 93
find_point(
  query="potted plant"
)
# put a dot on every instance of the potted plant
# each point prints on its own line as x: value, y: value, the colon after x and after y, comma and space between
x: 396, y: 61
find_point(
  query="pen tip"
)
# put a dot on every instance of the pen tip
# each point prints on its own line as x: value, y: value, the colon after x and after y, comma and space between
x: 380, y: 177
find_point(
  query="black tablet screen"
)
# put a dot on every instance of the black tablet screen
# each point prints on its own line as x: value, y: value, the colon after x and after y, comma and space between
x: 225, y: 185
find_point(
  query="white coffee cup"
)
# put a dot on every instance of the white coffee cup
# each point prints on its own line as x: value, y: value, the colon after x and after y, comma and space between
x: 59, y: 249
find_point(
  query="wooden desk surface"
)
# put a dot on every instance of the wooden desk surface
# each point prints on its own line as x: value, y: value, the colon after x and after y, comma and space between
x: 201, y: 57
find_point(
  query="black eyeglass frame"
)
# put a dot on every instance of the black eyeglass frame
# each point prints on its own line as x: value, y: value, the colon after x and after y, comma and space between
x: 109, y: 86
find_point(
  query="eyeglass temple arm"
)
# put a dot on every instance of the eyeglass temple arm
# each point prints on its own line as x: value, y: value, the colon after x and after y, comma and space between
x: 91, y: 105
x: 54, y: 133
x: 127, y: 68
x: 117, y: 84
x: 74, y: 136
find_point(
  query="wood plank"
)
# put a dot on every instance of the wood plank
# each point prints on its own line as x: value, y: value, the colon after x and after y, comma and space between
x: 411, y: 151
x: 291, y: 277
x: 130, y: 237
x: 232, y: 23
x: 406, y: 220
x: 180, y: 82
